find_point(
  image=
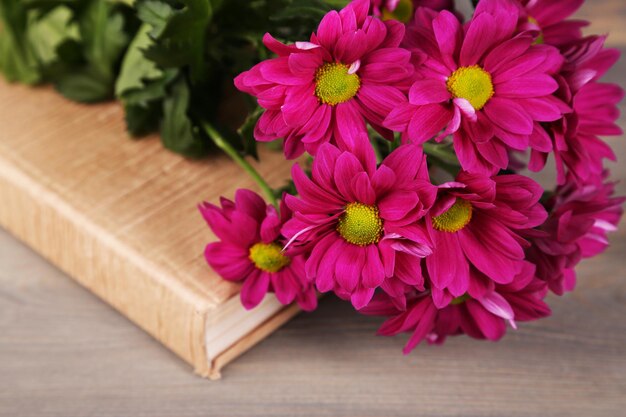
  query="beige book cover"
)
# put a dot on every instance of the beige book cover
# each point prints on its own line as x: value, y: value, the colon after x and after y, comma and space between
x: 120, y: 217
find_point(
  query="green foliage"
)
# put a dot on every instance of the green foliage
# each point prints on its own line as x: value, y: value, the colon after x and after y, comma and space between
x: 18, y: 61
x: 48, y: 32
x: 103, y: 40
x: 142, y: 85
x: 170, y: 62
x: 178, y: 133
x: 202, y: 45
x: 246, y: 131
x: 76, y: 45
x: 136, y: 69
x: 182, y: 36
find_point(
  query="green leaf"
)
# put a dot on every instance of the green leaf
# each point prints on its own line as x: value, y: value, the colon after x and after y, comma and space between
x: 182, y: 39
x: 90, y: 77
x: 103, y: 35
x: 144, y: 106
x: 86, y: 85
x: 48, y: 32
x: 314, y: 9
x: 136, y: 68
x: 141, y: 120
x: 17, y: 60
x: 178, y: 132
x: 156, y: 14
x: 151, y: 90
x: 246, y: 131
x: 337, y: 4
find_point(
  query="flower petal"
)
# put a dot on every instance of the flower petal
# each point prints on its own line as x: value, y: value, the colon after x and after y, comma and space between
x: 361, y: 297
x: 254, y: 289
x: 428, y: 91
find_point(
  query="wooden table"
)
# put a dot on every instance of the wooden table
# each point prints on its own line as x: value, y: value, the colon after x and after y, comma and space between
x: 65, y: 353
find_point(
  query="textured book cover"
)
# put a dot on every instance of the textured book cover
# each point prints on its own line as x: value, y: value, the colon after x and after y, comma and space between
x: 120, y: 217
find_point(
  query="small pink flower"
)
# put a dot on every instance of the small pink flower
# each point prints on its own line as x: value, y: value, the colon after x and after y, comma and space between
x: 574, y: 140
x: 360, y: 222
x: 581, y: 216
x: 548, y: 19
x: 250, y: 250
x: 483, y: 83
x: 475, y: 225
x: 325, y: 90
x: 484, y: 317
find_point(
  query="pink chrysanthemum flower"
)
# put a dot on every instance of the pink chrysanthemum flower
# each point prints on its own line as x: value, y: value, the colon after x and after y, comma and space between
x: 482, y: 83
x: 548, y: 18
x: 404, y: 10
x: 476, y: 224
x: 481, y: 318
x: 574, y: 140
x: 361, y: 222
x: 580, y: 219
x: 250, y: 251
x: 351, y: 71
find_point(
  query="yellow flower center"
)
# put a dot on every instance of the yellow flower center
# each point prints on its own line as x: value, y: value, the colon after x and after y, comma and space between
x: 460, y: 300
x: 403, y: 12
x: 268, y: 257
x: 333, y: 84
x: 360, y: 224
x: 539, y: 39
x: 455, y: 218
x: 473, y: 84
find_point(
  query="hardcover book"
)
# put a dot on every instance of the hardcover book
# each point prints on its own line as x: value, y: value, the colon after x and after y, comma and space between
x: 120, y: 217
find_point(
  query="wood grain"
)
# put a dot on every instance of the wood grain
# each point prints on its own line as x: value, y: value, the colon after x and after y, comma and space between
x: 64, y: 353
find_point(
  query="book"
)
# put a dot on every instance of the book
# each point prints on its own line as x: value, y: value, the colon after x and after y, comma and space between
x: 120, y: 217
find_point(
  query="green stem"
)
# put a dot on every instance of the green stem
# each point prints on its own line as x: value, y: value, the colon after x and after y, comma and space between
x: 374, y: 142
x: 443, y: 156
x: 221, y: 143
x: 441, y: 152
x: 395, y: 144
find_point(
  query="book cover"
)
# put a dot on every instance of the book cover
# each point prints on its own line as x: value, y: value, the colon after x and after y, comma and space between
x: 120, y: 217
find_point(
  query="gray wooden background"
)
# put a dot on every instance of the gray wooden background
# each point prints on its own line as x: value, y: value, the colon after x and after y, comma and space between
x: 65, y: 353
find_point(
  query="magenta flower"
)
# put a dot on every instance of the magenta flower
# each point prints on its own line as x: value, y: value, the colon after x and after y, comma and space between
x: 548, y: 19
x: 515, y: 84
x: 580, y: 219
x: 574, y: 140
x: 404, y: 10
x: 476, y: 224
x: 488, y: 86
x: 250, y: 251
x: 360, y: 222
x: 351, y: 71
x: 480, y: 318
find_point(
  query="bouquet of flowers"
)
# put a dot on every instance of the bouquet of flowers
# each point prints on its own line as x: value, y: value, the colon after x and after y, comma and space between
x: 414, y: 204
x: 414, y: 131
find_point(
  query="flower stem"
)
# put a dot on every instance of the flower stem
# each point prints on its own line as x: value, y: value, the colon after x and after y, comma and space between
x: 395, y: 144
x: 379, y: 157
x: 443, y: 156
x: 442, y: 152
x: 223, y: 144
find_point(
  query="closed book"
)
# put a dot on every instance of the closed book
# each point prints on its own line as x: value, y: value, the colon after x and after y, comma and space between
x: 119, y: 215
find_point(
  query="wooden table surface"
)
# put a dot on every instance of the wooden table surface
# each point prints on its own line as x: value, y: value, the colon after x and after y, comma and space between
x: 65, y: 353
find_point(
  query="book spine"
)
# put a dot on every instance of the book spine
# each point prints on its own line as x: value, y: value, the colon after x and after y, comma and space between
x: 94, y: 257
